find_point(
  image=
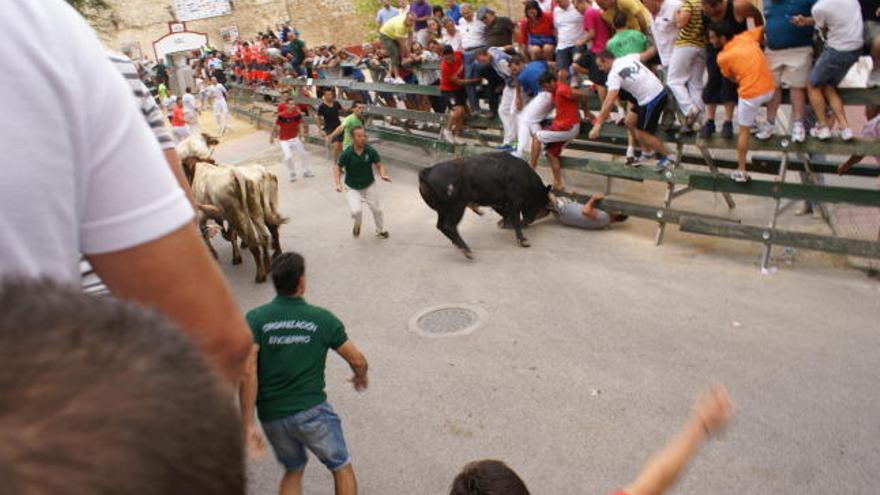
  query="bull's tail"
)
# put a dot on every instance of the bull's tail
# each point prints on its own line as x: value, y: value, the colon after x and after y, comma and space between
x: 270, y: 204
x: 246, y: 229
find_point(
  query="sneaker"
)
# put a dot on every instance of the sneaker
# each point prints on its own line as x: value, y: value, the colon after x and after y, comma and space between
x: 356, y: 230
x: 798, y: 133
x: 691, y: 117
x: 632, y: 161
x: 308, y: 175
x: 447, y: 136
x: 644, y: 157
x: 740, y: 176
x: 662, y: 164
x: 708, y: 129
x: 383, y: 235
x: 388, y: 79
x: 821, y: 133
x: 727, y: 130
x: 765, y: 130
x: 846, y: 134
x: 399, y: 81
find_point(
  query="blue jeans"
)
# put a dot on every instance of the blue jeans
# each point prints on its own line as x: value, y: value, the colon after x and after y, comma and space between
x: 470, y: 69
x: 318, y: 429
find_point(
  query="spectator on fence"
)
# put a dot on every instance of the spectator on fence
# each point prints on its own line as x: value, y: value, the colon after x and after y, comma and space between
x: 719, y: 90
x: 453, y: 11
x: 841, y: 20
x: 421, y: 10
x: 635, y: 12
x: 451, y: 34
x: 537, y: 32
x: 742, y: 60
x: 385, y: 13
x: 789, y: 51
x: 665, y: 28
x: 437, y: 13
x: 425, y: 76
x: 328, y: 114
x: 356, y: 163
x: 285, y: 379
x: 473, y: 38
x: 499, y: 29
x: 565, y: 126
x: 688, y: 65
x: 296, y: 52
x: 583, y: 216
x: 452, y: 84
x: 569, y: 24
x: 352, y: 121
x: 507, y: 68
x: 435, y: 32
x: 288, y: 126
x: 396, y: 35
x: 710, y: 414
x: 649, y: 97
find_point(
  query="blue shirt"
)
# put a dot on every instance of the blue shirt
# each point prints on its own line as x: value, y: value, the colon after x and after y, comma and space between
x: 529, y: 75
x: 453, y: 13
x: 780, y: 32
x: 384, y: 15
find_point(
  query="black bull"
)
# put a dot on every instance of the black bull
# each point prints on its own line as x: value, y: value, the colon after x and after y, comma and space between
x: 499, y: 180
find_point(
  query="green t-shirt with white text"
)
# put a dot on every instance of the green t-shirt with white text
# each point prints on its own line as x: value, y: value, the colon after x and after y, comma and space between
x: 627, y: 42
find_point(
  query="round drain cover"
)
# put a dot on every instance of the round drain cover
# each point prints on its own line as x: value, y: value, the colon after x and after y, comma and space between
x: 447, y: 320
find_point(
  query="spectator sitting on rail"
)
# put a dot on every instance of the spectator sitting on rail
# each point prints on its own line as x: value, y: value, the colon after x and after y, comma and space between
x: 710, y: 414
x: 396, y: 35
x: 434, y: 31
x: 841, y: 20
x: 631, y: 75
x: 499, y: 29
x: 584, y: 216
x: 569, y: 24
x: 472, y: 39
x: 452, y: 84
x: 426, y: 77
x: 565, y: 125
x: 537, y: 32
x: 507, y: 68
x: 451, y: 35
x: 742, y: 60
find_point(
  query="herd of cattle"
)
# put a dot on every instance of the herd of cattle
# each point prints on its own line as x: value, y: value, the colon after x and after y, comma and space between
x: 243, y: 200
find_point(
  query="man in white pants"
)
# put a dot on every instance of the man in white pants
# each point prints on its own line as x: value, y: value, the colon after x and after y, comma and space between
x: 190, y: 111
x: 217, y: 92
x: 289, y: 126
x: 507, y: 67
x: 357, y: 162
x: 529, y: 121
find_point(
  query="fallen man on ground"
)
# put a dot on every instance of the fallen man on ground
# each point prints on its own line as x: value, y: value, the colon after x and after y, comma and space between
x: 585, y: 216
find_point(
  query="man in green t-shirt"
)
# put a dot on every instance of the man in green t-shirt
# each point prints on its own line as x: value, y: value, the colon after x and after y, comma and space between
x: 357, y: 162
x: 353, y: 120
x: 627, y: 41
x: 296, y: 49
x: 285, y: 378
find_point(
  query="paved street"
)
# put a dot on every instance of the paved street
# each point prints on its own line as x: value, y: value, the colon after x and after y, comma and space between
x: 594, y: 345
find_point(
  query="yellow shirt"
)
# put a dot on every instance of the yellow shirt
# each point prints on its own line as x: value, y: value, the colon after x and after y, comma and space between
x: 693, y: 34
x: 633, y: 9
x: 396, y: 28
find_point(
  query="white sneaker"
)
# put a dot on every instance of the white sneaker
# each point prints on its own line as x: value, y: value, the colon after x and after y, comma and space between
x: 821, y: 133
x: 388, y: 79
x: 399, y: 81
x: 765, y: 130
x: 846, y: 134
x: 798, y: 133
x: 447, y: 136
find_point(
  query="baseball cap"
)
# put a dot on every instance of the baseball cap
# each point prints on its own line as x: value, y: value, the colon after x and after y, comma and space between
x: 481, y: 14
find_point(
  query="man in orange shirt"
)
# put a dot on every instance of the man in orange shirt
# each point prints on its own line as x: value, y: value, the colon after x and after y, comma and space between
x: 742, y: 60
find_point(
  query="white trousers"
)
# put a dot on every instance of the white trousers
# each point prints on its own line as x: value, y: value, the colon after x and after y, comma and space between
x: 529, y: 121
x: 685, y: 77
x: 507, y: 113
x: 221, y: 115
x: 180, y: 132
x: 293, y: 147
x: 370, y: 195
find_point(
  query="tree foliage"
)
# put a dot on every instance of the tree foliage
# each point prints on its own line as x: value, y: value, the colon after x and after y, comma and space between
x: 366, y: 10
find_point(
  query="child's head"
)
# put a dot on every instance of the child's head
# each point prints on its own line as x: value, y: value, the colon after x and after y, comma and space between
x: 487, y: 477
x: 720, y: 33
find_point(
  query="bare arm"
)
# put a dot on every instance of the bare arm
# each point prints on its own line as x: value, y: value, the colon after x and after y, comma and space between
x: 748, y: 13
x: 589, y: 209
x: 380, y: 167
x: 247, y: 398
x: 176, y: 276
x: 337, y: 177
x: 710, y: 413
x: 607, y: 104
x: 357, y: 362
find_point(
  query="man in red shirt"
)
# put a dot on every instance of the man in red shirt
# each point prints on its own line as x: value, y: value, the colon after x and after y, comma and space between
x: 289, y: 125
x: 565, y: 127
x: 452, y: 85
x: 178, y: 122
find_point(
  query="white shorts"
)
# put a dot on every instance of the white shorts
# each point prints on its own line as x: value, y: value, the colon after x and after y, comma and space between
x: 747, y: 109
x: 790, y: 66
x: 549, y: 135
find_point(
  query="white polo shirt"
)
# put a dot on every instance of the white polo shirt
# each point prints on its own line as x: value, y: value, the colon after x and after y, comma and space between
x: 471, y: 33
x: 81, y: 171
x: 569, y: 24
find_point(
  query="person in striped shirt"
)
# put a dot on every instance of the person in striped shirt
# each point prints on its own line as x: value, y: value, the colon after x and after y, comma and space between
x: 689, y: 61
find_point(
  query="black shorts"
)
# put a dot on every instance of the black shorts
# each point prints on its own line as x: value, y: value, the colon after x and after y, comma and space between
x: 649, y: 115
x: 337, y: 138
x: 626, y: 96
x: 588, y: 61
x: 456, y: 98
x: 719, y: 89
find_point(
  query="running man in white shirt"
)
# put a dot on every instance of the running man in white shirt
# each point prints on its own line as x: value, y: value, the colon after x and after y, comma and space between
x: 190, y: 111
x: 217, y: 92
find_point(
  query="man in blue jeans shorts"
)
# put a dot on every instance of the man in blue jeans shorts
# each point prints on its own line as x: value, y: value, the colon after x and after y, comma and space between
x: 285, y: 378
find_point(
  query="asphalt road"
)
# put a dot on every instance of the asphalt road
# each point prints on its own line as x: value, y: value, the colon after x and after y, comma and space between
x: 594, y: 346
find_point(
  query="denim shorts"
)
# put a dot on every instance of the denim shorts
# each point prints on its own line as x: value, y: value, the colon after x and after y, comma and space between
x: 317, y: 429
x: 541, y: 40
x: 832, y: 65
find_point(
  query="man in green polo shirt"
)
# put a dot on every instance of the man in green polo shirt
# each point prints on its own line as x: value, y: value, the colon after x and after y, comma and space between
x: 285, y: 378
x: 357, y: 162
x: 353, y: 120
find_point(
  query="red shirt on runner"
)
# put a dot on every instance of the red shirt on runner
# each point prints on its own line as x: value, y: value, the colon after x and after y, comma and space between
x: 288, y: 120
x: 567, y: 114
x: 447, y: 71
x: 177, y: 119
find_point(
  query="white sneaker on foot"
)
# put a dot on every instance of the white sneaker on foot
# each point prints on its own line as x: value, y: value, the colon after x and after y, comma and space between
x: 846, y: 134
x: 822, y: 133
x: 764, y: 130
x: 798, y: 133
x: 447, y: 136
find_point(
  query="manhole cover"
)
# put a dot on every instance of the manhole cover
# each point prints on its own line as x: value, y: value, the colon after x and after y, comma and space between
x: 447, y: 320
